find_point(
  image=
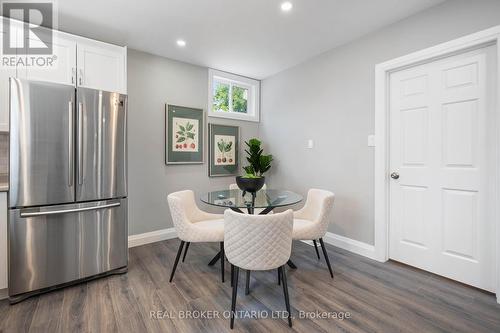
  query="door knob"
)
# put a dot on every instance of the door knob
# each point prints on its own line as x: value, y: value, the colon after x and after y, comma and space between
x: 394, y: 175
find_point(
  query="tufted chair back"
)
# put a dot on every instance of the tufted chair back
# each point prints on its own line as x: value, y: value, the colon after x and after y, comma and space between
x: 258, y: 242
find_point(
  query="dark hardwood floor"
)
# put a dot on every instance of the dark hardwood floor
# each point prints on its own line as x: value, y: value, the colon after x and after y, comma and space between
x: 377, y: 297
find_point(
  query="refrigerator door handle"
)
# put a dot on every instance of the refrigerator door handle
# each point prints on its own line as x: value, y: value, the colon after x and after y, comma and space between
x: 70, y: 144
x: 80, y: 143
x: 66, y: 211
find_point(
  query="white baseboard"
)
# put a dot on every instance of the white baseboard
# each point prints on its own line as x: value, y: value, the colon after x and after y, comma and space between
x: 349, y: 244
x: 345, y: 243
x: 151, y: 237
x: 4, y: 293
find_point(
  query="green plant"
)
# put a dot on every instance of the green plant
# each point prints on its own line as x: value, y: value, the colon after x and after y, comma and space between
x: 259, y: 163
x: 185, y: 132
x: 224, y: 147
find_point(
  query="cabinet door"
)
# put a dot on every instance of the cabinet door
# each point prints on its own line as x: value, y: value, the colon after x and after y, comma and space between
x: 62, y: 68
x: 101, y: 66
x: 6, y: 71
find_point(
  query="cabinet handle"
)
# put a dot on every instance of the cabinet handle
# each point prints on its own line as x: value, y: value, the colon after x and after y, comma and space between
x: 80, y: 77
x: 73, y: 74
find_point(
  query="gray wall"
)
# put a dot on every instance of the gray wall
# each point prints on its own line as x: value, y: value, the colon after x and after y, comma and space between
x: 331, y: 99
x: 153, y: 81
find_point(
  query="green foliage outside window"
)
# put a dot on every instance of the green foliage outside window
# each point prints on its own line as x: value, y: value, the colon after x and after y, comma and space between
x: 221, y: 98
x: 240, y: 99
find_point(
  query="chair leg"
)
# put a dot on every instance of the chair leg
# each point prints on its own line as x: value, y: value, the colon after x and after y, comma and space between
x: 179, y: 252
x: 247, y: 287
x: 222, y: 261
x: 316, y: 248
x: 279, y: 277
x: 285, y: 292
x: 235, y: 292
x: 185, y: 251
x: 325, y: 254
x: 232, y: 275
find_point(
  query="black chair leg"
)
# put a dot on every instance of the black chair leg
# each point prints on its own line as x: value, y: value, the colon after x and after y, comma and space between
x: 325, y: 254
x: 285, y: 292
x: 185, y: 251
x: 179, y: 252
x: 232, y: 275
x: 235, y: 292
x: 222, y: 259
x: 279, y: 277
x: 316, y: 247
x: 247, y: 287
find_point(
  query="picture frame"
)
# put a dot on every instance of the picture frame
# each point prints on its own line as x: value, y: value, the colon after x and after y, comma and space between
x: 184, y: 135
x: 224, y: 147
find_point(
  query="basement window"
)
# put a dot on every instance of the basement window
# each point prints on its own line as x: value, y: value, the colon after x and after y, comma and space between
x: 233, y: 96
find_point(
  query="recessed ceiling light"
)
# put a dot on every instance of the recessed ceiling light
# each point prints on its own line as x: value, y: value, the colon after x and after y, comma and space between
x: 286, y: 6
x: 181, y: 43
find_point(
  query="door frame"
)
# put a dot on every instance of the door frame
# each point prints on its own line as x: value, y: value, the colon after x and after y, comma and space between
x: 383, y: 70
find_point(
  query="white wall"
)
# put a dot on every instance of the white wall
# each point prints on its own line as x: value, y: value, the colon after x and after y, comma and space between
x: 153, y: 81
x: 331, y: 99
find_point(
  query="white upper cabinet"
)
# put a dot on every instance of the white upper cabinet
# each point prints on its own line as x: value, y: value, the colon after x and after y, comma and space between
x: 60, y: 67
x: 101, y: 66
x: 76, y: 61
x: 6, y: 71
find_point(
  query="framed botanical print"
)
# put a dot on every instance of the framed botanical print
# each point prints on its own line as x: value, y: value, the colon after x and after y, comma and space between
x: 183, y: 135
x: 224, y: 143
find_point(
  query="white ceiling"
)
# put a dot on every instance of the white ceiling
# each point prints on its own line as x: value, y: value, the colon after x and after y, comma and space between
x: 252, y: 37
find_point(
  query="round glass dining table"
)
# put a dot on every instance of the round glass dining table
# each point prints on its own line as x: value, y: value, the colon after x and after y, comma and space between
x: 265, y: 200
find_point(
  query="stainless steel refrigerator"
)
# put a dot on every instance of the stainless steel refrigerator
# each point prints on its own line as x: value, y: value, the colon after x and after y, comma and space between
x: 67, y: 187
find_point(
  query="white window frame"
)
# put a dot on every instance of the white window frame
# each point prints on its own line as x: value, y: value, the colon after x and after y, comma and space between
x: 253, y: 101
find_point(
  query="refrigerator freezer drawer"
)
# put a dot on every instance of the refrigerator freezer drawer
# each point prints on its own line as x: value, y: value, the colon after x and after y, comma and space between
x: 53, y: 245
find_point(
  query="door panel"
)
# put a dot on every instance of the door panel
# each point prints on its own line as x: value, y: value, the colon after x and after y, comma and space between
x: 460, y: 223
x: 52, y: 245
x: 102, y: 172
x: 41, y: 143
x: 460, y: 137
x: 442, y: 138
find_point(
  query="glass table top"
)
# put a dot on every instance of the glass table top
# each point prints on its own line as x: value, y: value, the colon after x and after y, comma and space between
x: 263, y: 198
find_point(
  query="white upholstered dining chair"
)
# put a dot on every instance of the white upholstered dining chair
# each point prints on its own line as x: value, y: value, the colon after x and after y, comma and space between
x: 257, y: 243
x: 194, y: 225
x: 311, y: 222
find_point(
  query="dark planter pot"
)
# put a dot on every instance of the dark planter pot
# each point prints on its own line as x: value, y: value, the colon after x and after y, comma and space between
x: 251, y: 185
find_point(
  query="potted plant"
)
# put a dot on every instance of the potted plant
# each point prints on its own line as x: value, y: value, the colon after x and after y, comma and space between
x: 253, y: 180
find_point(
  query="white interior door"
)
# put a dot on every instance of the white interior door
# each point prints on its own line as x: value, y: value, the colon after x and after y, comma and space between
x: 442, y: 147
